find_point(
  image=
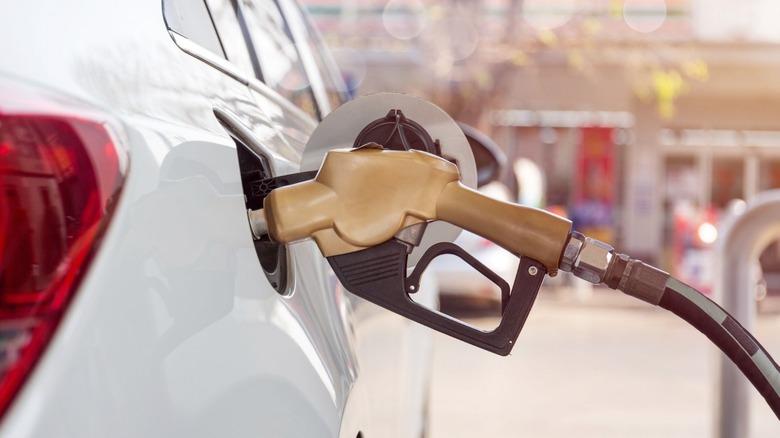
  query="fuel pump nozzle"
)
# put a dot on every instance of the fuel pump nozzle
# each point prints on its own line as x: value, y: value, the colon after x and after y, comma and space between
x: 366, y: 210
x: 364, y: 197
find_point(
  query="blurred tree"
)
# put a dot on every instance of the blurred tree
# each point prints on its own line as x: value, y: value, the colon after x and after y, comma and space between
x: 470, y: 53
x: 477, y: 49
x: 480, y: 79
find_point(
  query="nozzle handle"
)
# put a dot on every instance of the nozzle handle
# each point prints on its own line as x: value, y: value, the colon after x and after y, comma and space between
x: 525, y: 231
x: 363, y: 197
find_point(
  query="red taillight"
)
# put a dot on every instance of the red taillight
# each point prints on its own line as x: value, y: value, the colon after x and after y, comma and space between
x: 60, y: 174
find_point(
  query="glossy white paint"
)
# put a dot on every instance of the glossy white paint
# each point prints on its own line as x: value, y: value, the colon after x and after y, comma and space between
x: 175, y: 330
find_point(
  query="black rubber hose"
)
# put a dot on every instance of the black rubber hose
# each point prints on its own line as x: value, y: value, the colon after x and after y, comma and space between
x: 657, y: 287
x: 729, y: 335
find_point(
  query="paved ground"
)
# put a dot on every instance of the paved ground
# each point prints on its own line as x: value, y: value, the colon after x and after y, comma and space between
x: 604, y: 366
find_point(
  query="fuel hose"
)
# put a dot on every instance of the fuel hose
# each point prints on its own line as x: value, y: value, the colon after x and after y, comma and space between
x: 597, y: 263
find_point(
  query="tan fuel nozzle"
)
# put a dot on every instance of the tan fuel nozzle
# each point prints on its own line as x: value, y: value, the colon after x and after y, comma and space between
x: 363, y: 197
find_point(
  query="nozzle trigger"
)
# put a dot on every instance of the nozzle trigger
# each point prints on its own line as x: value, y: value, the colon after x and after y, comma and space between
x: 378, y: 274
x: 413, y: 281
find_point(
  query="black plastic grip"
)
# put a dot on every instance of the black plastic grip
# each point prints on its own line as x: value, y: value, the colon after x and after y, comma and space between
x: 378, y: 274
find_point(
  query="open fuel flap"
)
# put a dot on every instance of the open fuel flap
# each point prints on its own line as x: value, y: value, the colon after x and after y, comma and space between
x: 395, y: 120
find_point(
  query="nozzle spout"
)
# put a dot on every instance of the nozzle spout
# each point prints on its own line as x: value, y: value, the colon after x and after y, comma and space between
x: 257, y: 223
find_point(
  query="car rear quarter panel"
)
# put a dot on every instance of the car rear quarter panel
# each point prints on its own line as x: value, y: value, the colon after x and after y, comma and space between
x: 175, y: 330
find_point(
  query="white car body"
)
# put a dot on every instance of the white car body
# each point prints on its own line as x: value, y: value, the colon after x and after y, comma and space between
x: 175, y: 329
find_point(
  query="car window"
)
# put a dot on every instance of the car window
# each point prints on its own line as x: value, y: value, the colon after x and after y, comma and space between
x: 191, y: 19
x: 223, y: 13
x: 280, y: 64
x: 332, y: 80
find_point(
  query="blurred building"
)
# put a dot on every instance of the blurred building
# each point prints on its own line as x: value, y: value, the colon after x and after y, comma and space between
x: 646, y: 116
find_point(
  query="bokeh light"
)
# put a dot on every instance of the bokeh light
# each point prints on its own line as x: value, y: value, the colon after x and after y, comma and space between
x: 708, y: 233
x: 404, y: 19
x: 543, y: 14
x: 644, y: 16
x: 462, y: 37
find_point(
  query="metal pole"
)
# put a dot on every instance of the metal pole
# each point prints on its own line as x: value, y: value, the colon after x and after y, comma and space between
x: 745, y: 233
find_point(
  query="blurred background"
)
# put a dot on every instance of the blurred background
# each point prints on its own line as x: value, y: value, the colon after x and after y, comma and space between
x: 643, y: 121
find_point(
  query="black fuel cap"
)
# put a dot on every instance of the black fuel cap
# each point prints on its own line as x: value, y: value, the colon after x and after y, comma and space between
x: 397, y: 132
